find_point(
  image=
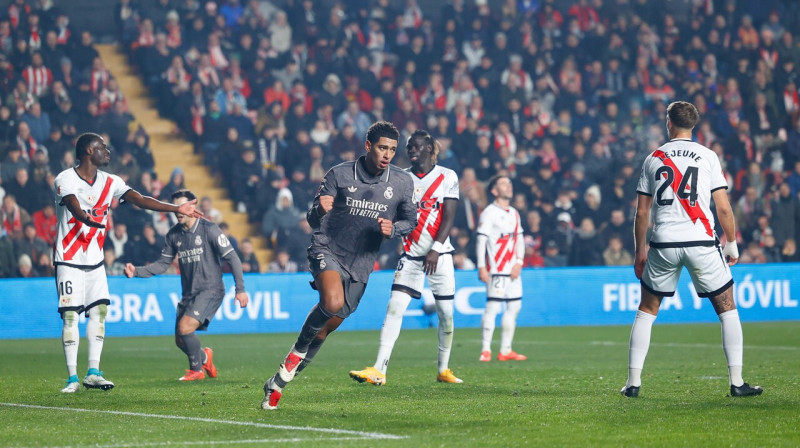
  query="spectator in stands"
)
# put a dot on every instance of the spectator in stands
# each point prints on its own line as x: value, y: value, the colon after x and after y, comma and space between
x: 44, y: 265
x: 118, y: 239
x: 144, y: 248
x: 248, y: 257
x: 30, y: 244
x: 25, y: 267
x: 282, y: 263
x: 45, y: 222
x: 8, y: 259
x: 112, y: 265
x: 14, y: 217
x: 785, y: 214
x: 280, y: 216
x: 176, y: 182
x: 553, y: 256
x: 209, y: 212
x: 295, y: 241
x: 615, y: 254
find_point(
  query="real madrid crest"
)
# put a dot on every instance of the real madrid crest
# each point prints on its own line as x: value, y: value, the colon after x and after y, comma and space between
x: 388, y: 193
x: 197, y: 240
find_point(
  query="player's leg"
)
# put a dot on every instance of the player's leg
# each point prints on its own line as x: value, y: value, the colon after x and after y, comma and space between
x: 392, y: 323
x: 69, y: 284
x: 187, y: 340
x: 443, y: 285
x: 509, y: 327
x: 712, y: 278
x: 316, y: 344
x: 95, y: 335
x: 659, y: 279
x: 490, y: 313
x: 331, y: 300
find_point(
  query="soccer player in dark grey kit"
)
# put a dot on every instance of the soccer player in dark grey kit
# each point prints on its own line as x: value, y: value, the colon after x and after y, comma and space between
x: 199, y: 245
x: 358, y: 205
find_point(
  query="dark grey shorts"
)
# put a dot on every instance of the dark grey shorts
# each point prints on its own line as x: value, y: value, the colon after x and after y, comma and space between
x: 200, y: 307
x: 320, y: 260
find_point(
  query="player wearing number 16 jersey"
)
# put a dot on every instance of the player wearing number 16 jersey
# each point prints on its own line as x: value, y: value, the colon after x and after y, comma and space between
x: 500, y: 249
x: 677, y: 183
x: 83, y: 198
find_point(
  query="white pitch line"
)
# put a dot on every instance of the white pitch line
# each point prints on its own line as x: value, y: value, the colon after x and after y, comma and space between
x: 217, y: 442
x: 360, y: 434
x: 687, y: 345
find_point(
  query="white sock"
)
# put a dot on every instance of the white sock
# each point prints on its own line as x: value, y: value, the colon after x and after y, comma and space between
x: 732, y: 344
x: 96, y: 334
x: 398, y: 302
x: 640, y: 343
x: 444, y: 308
x: 487, y: 323
x: 509, y: 323
x: 70, y: 339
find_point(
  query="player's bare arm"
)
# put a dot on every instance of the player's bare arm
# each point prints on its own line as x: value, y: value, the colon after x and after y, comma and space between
x: 480, y: 246
x: 74, y: 207
x: 640, y: 224
x: 448, y: 216
x: 187, y: 208
x: 728, y: 223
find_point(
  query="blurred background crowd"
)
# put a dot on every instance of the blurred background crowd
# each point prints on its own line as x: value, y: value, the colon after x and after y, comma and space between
x: 565, y: 96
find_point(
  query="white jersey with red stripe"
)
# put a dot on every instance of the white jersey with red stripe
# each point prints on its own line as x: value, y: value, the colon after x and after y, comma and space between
x: 430, y: 191
x: 503, y: 230
x: 680, y: 176
x: 77, y: 244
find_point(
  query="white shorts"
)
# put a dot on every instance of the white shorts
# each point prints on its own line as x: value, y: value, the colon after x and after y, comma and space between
x: 502, y: 287
x: 710, y: 273
x: 410, y: 277
x: 80, y: 289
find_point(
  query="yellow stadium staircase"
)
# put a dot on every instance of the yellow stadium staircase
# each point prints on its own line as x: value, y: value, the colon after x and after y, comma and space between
x: 171, y: 151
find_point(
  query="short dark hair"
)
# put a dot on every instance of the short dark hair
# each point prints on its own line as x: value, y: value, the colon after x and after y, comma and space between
x: 84, y: 142
x: 493, y: 181
x: 382, y: 129
x: 183, y: 193
x: 683, y: 114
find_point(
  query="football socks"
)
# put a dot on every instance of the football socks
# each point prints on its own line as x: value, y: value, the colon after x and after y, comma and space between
x: 509, y: 324
x: 194, y: 351
x: 732, y: 344
x: 70, y: 339
x: 487, y: 323
x: 639, y: 344
x: 96, y: 334
x: 398, y: 302
x: 444, y: 308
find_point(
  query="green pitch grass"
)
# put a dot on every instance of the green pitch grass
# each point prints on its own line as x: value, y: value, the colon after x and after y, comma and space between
x: 566, y: 394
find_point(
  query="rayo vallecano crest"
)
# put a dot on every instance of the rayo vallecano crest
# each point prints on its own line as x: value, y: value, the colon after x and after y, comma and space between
x: 388, y: 193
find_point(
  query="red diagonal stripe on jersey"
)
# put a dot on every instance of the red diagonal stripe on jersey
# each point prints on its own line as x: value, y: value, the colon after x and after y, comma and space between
x: 413, y: 237
x: 83, y: 240
x: 509, y: 255
x: 694, y: 211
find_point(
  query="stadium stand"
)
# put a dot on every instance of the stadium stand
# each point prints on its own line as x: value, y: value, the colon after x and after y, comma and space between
x: 567, y: 96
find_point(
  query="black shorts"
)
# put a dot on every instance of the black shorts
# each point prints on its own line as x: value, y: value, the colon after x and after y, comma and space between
x: 201, y: 307
x: 320, y: 260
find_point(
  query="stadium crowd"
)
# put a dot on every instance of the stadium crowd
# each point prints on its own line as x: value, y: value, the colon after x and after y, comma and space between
x: 566, y: 96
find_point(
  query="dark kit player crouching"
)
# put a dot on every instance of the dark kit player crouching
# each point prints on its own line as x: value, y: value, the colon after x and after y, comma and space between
x: 358, y: 205
x: 199, y: 245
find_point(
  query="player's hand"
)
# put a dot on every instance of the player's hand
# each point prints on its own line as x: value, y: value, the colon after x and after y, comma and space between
x: 92, y: 223
x: 242, y: 298
x: 326, y: 203
x: 387, y: 226
x: 129, y: 270
x: 516, y: 270
x: 483, y: 275
x: 431, y: 261
x: 189, y: 209
x: 731, y: 251
x: 638, y: 264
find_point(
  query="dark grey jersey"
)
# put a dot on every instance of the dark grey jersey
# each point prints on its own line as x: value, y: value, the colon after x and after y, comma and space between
x: 350, y: 231
x: 199, y: 250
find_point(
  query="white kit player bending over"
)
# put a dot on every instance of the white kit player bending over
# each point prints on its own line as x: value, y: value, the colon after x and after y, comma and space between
x: 83, y: 197
x: 426, y: 251
x: 501, y: 247
x: 677, y: 183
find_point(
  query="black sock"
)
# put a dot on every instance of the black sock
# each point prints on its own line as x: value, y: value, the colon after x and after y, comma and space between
x: 191, y: 346
x: 315, y: 320
x: 312, y: 351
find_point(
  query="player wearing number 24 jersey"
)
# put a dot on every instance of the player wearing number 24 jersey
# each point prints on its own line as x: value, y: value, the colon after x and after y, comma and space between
x: 83, y: 197
x: 677, y: 184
